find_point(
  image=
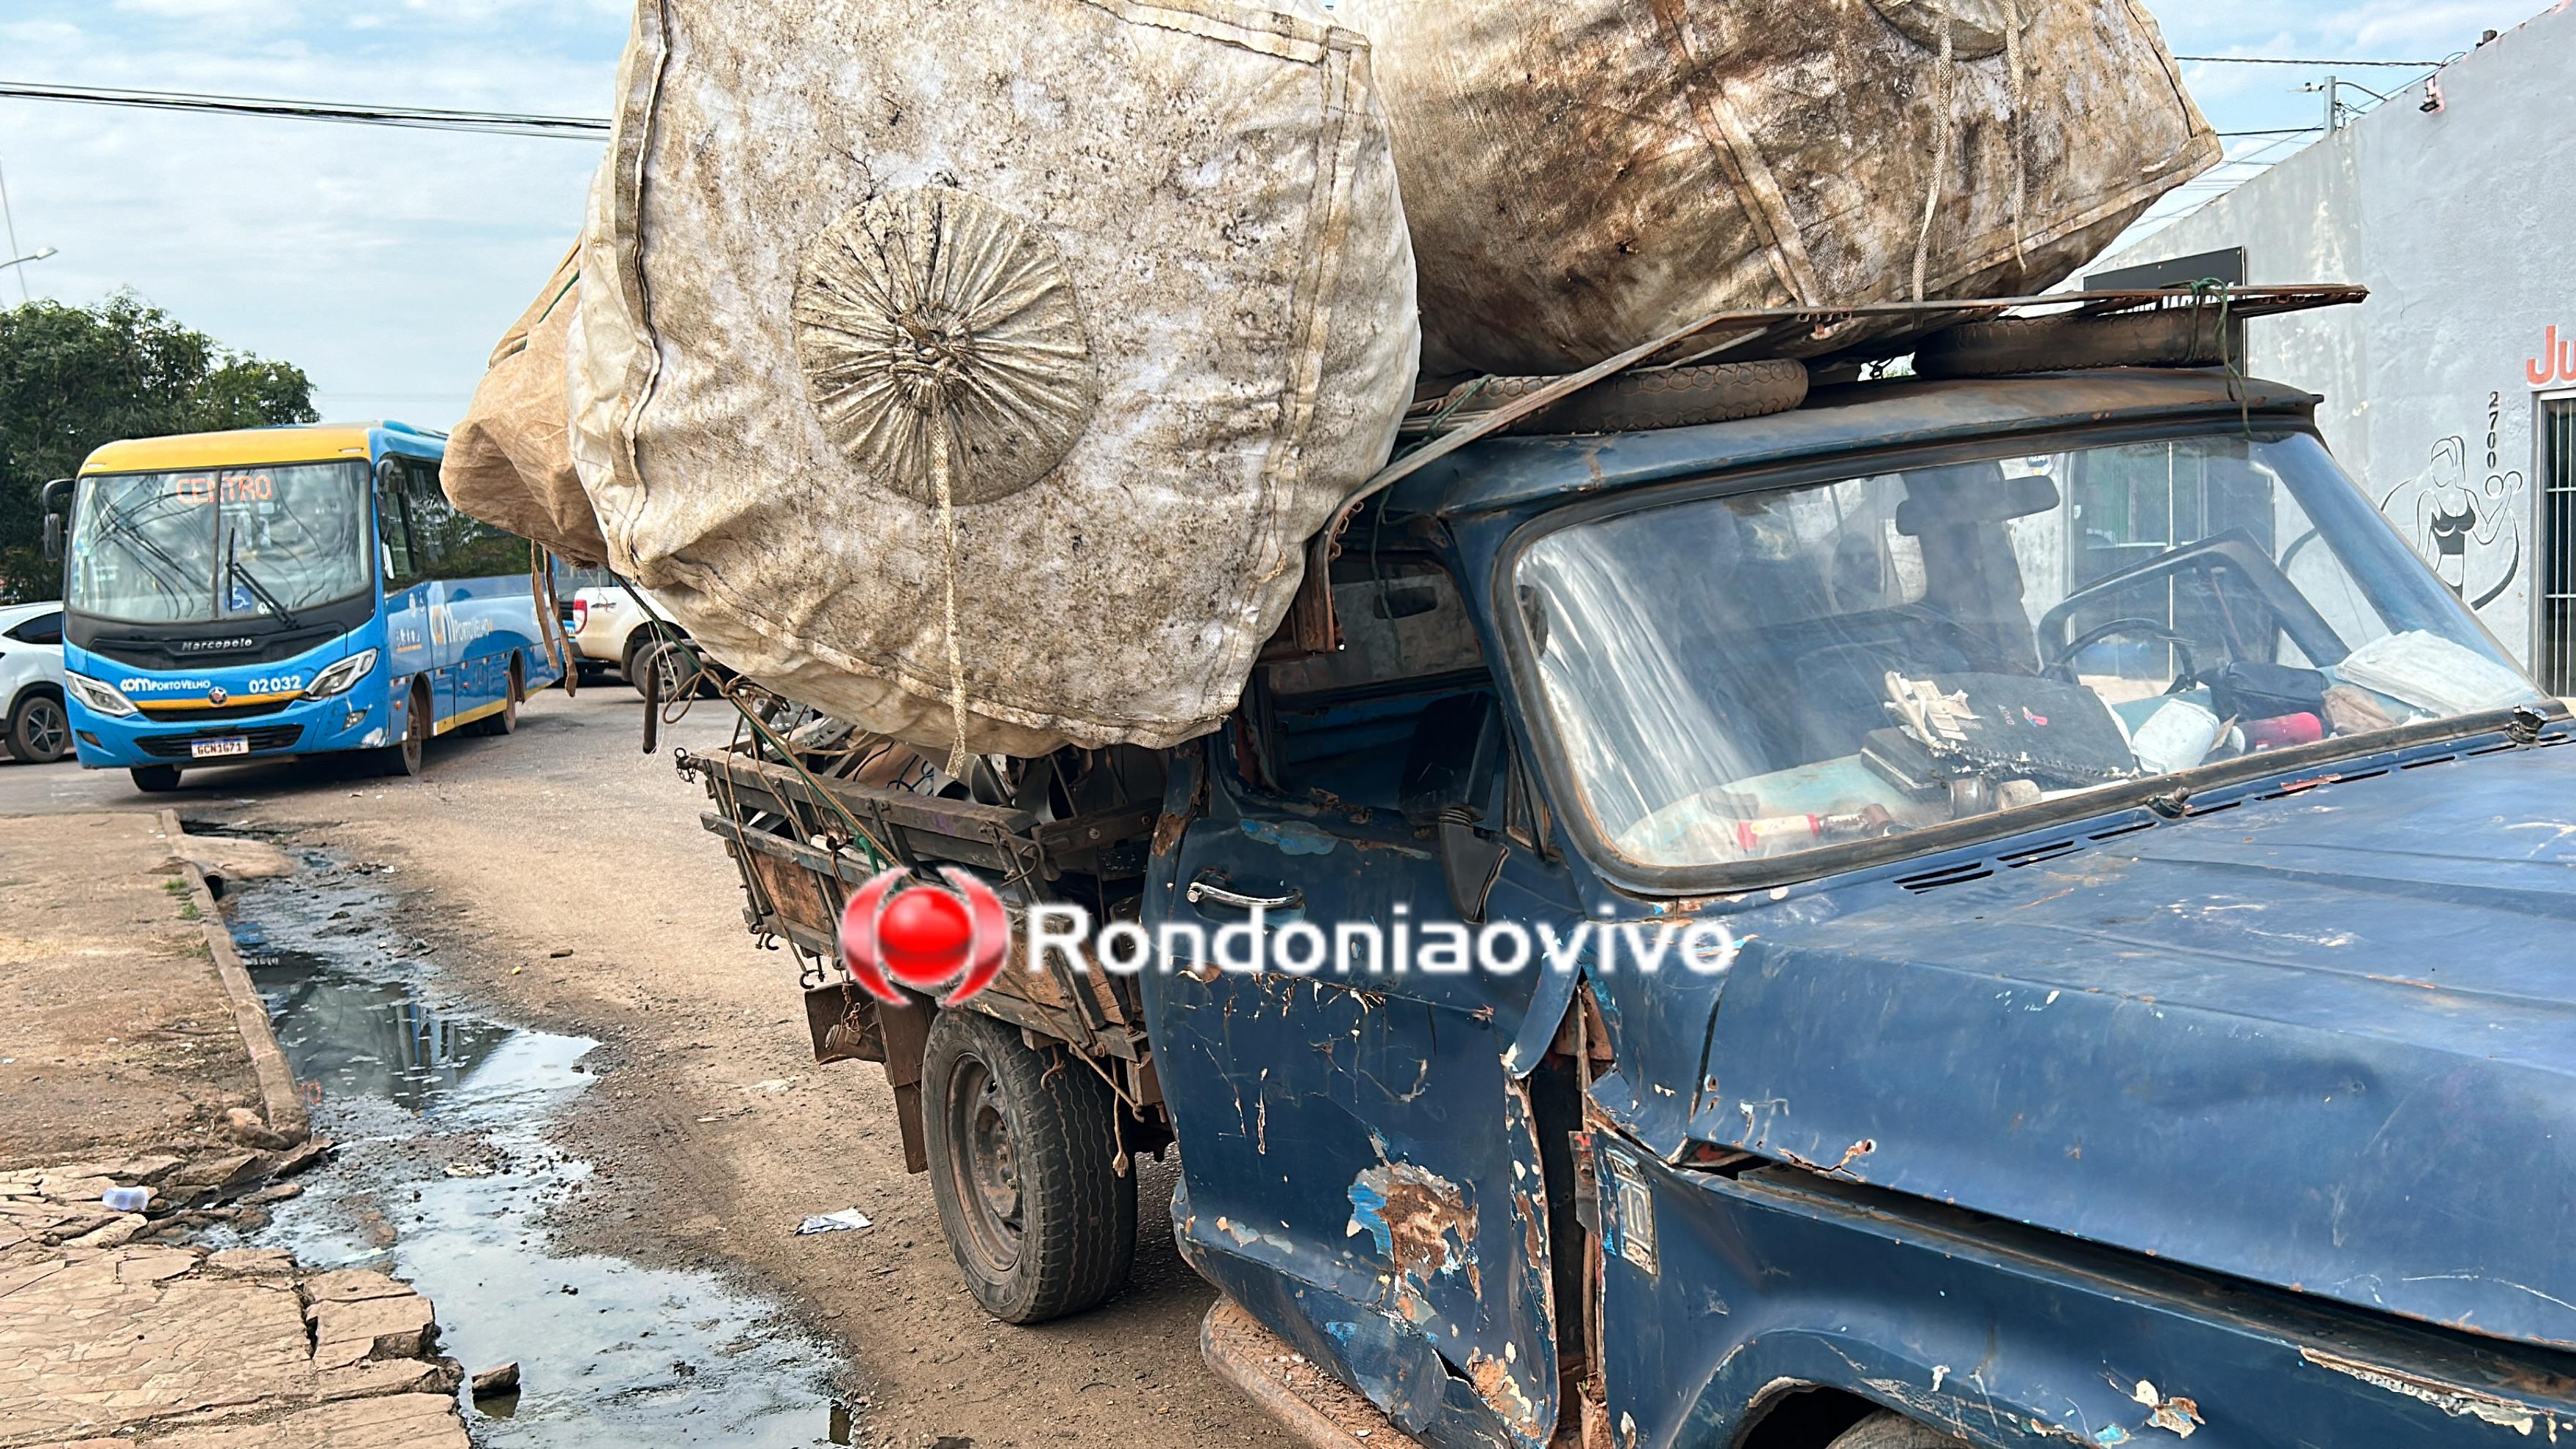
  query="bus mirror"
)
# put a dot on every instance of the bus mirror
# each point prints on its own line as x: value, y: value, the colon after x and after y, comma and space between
x: 385, y: 563
x: 55, y: 499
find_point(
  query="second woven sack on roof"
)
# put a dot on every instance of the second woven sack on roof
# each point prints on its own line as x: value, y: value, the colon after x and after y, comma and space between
x: 975, y: 372
x: 1584, y: 175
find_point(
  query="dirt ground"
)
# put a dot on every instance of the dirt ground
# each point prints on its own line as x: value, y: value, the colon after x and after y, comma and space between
x: 714, y: 1132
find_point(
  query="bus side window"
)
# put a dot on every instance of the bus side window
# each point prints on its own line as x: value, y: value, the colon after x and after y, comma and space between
x: 402, y: 569
x: 454, y: 545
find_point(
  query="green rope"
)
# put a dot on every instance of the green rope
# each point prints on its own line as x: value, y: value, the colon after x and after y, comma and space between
x: 2202, y: 292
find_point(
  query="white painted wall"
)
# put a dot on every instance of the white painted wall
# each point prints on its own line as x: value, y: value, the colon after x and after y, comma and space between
x: 2462, y: 222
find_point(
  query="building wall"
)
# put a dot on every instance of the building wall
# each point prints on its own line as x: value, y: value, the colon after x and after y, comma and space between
x: 2462, y: 222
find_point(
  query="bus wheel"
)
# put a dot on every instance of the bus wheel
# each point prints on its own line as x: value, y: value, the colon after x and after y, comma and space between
x: 153, y: 779
x: 1022, y: 1145
x: 508, y: 719
x: 404, y: 759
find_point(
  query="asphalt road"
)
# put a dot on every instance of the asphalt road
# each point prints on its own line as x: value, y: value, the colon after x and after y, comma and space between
x: 562, y: 881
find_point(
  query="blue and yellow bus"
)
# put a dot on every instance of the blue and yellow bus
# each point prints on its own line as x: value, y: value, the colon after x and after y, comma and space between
x: 285, y: 591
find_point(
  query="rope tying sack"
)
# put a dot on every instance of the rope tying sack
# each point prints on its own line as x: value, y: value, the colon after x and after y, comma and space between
x: 943, y: 347
x: 1949, y: 121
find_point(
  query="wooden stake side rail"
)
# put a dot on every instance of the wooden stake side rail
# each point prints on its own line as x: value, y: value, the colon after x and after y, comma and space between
x: 792, y: 900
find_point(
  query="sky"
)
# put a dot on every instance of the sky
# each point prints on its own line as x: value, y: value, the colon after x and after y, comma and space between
x: 387, y: 262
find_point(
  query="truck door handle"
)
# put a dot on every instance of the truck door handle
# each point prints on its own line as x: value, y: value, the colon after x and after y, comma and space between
x: 1208, y: 885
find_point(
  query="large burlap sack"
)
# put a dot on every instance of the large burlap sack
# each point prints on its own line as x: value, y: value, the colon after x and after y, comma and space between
x: 1146, y: 260
x: 1583, y: 175
x: 509, y: 462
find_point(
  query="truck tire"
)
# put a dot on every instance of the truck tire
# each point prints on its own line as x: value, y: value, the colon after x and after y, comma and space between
x: 155, y: 779
x: 1895, y: 1431
x: 40, y: 732
x: 1021, y: 1143
x: 2170, y: 337
x: 641, y: 646
x: 1671, y: 398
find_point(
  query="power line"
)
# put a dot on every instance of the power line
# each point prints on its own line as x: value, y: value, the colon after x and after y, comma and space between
x: 423, y: 118
x: 2283, y: 60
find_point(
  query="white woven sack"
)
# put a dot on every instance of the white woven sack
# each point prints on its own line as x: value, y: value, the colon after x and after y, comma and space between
x: 1583, y: 175
x: 976, y: 372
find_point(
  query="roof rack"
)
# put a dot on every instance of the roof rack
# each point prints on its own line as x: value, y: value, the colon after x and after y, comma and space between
x: 1820, y: 336
x: 1859, y: 332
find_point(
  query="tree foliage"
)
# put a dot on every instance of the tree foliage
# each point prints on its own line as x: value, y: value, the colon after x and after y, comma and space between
x: 73, y: 378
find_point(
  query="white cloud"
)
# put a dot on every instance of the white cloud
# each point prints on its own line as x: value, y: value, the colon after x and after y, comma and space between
x: 383, y: 261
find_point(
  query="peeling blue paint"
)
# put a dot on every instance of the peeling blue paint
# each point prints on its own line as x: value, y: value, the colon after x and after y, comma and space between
x: 1290, y: 837
x: 1368, y: 1214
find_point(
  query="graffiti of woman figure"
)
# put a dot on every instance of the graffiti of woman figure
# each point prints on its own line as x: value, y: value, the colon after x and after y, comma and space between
x: 2470, y: 534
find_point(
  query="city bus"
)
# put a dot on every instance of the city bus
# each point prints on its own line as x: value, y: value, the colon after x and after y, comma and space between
x: 284, y: 591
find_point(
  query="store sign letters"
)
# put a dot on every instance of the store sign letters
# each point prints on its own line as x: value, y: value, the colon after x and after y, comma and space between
x: 2556, y: 362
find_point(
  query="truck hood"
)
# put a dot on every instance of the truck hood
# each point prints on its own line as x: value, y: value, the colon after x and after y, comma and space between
x: 2325, y: 1041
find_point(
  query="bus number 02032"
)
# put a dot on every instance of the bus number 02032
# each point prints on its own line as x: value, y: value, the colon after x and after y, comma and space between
x: 230, y: 487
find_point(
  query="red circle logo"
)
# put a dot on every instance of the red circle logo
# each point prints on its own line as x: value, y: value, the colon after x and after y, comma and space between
x: 924, y: 937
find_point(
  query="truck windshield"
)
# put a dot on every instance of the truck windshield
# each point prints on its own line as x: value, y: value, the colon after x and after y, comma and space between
x: 213, y: 544
x: 1746, y: 677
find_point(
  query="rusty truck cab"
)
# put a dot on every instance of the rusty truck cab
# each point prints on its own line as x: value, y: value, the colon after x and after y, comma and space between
x: 2117, y: 985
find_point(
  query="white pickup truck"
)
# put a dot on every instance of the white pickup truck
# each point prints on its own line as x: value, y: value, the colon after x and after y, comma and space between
x: 611, y: 630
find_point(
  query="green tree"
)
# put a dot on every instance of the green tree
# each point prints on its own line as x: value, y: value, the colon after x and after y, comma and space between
x: 73, y: 378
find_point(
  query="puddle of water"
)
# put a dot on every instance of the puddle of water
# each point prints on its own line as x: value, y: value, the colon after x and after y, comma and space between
x: 444, y: 1177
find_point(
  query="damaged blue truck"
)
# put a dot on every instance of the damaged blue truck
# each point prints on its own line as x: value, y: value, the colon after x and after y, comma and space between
x: 2146, y: 1005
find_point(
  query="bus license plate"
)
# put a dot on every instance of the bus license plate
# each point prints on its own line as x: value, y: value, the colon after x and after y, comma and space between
x: 209, y: 749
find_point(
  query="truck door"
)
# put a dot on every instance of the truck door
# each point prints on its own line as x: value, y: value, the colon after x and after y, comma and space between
x: 1361, y: 1168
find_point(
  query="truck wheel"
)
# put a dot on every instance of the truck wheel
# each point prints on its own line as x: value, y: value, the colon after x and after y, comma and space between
x: 507, y: 720
x: 1894, y: 1431
x: 39, y: 731
x: 154, y: 779
x: 403, y: 760
x: 641, y: 646
x: 1020, y: 1144
x: 1672, y: 398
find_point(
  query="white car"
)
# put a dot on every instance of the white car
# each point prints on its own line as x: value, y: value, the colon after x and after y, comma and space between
x: 37, y: 728
x: 610, y: 630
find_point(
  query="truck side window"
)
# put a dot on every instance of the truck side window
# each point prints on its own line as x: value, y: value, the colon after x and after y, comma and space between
x: 1344, y: 725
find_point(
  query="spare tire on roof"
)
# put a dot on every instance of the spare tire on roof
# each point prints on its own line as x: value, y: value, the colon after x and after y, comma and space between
x: 1671, y: 397
x: 2168, y: 337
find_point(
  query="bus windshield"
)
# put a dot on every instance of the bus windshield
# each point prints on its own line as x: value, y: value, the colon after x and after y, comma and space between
x: 213, y: 544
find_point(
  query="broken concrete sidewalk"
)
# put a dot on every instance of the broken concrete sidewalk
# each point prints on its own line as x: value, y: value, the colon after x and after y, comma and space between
x: 134, y: 1053
x: 162, y: 1346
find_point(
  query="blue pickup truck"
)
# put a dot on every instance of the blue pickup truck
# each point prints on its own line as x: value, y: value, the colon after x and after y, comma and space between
x: 1998, y: 910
